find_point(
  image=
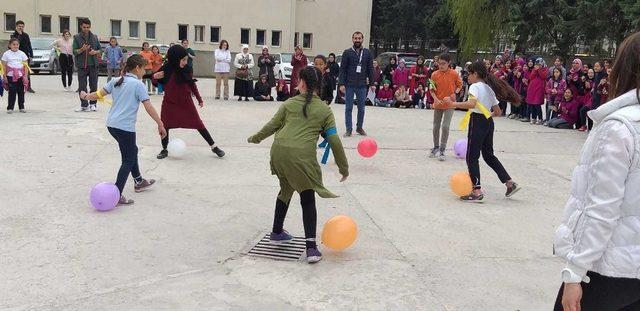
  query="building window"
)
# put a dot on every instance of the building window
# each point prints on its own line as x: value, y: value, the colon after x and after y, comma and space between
x: 244, y: 35
x: 260, y: 37
x: 116, y: 27
x: 307, y: 41
x: 134, y: 29
x: 275, y: 38
x: 151, y: 30
x: 296, y: 39
x: 215, y: 34
x: 9, y: 22
x: 65, y: 23
x: 198, y: 33
x: 78, y: 20
x: 183, y: 32
x: 45, y: 23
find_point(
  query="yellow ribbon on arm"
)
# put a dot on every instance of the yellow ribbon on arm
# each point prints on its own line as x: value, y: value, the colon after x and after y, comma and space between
x: 26, y: 65
x: 467, y: 118
x: 102, y: 99
x: 1, y: 70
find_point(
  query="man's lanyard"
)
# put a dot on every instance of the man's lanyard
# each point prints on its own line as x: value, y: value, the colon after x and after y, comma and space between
x: 361, y: 52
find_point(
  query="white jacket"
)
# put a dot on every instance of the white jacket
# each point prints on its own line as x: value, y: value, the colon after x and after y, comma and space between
x: 223, y: 61
x: 600, y: 228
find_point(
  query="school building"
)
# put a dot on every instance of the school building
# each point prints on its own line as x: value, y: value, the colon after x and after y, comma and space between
x: 319, y: 26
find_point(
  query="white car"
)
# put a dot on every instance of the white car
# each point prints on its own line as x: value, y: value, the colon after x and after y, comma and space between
x: 283, y: 68
x: 44, y: 56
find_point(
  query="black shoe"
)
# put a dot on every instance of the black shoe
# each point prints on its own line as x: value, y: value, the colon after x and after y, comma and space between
x: 217, y: 97
x: 512, y: 190
x: 361, y: 132
x: 239, y: 99
x: 246, y: 99
x: 218, y: 152
x: 163, y: 154
x: 347, y: 134
x: 30, y: 90
x: 472, y: 198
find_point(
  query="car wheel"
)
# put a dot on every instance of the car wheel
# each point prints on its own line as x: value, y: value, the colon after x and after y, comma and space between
x: 54, y: 68
x: 36, y: 71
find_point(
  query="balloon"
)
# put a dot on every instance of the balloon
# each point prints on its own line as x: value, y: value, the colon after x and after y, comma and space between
x: 367, y: 147
x: 339, y: 232
x: 177, y: 147
x: 460, y: 183
x: 460, y: 148
x: 104, y: 196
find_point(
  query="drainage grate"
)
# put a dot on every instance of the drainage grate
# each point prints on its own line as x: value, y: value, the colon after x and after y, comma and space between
x: 291, y: 251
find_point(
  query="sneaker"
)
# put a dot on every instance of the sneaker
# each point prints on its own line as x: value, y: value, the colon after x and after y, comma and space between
x: 347, y: 134
x: 82, y: 109
x: 441, y: 156
x: 279, y: 238
x: 313, y: 255
x: 512, y: 190
x: 546, y: 123
x: 93, y: 108
x: 539, y: 122
x: 143, y: 185
x: 23, y: 111
x: 226, y: 98
x: 124, y: 201
x: 434, y: 152
x: 525, y: 120
x: 163, y: 154
x: 246, y: 99
x: 217, y: 97
x: 30, y: 90
x: 512, y: 116
x: 361, y: 132
x: 472, y: 198
x: 218, y: 152
x: 533, y: 121
x: 582, y: 128
x: 9, y: 111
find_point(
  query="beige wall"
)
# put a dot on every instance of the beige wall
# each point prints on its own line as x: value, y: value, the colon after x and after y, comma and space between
x: 330, y: 21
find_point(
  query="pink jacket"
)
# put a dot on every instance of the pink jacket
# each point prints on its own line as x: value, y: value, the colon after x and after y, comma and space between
x: 535, y: 90
x: 401, y: 77
x: 560, y: 86
x: 569, y: 110
x: 385, y: 94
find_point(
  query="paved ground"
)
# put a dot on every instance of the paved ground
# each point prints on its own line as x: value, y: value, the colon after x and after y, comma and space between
x: 179, y: 246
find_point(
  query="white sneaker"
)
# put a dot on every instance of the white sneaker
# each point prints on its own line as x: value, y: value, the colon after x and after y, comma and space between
x: 82, y: 109
x: 93, y: 108
x: 441, y: 156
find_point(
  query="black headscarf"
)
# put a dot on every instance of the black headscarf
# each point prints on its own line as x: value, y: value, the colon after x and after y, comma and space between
x: 172, y: 66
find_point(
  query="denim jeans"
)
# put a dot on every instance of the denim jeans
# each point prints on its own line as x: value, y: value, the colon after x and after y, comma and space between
x: 129, y: 154
x: 360, y: 93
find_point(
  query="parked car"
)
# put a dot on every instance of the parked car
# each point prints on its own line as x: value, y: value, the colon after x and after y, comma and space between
x: 409, y: 58
x: 283, y: 68
x: 45, y: 57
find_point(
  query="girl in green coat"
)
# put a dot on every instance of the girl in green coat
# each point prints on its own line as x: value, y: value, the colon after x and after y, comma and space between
x: 297, y: 125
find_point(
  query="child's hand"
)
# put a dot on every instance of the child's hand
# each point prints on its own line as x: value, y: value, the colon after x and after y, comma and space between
x: 83, y: 95
x: 344, y: 178
x: 162, y: 131
x: 201, y: 104
x: 5, y: 85
x: 158, y: 75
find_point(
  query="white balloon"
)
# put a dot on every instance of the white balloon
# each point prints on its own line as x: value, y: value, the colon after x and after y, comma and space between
x: 177, y: 148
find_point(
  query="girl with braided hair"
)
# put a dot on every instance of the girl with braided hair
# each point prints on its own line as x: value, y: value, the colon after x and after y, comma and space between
x: 297, y: 125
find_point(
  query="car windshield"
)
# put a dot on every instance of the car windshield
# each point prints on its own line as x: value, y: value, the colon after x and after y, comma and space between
x: 408, y: 58
x: 286, y: 57
x: 41, y: 44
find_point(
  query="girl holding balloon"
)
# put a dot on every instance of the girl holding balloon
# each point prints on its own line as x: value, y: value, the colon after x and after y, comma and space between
x: 296, y: 126
x: 485, y: 93
x: 127, y: 92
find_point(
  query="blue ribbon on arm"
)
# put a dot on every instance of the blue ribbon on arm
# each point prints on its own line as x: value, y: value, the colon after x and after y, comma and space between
x: 325, y: 144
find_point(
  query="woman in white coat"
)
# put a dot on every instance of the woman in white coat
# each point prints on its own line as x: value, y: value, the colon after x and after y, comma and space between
x: 222, y: 68
x: 243, y: 86
x: 600, y: 232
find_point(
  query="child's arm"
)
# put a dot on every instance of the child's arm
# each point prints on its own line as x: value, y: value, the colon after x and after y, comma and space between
x: 154, y: 115
x: 270, y: 128
x: 458, y: 84
x: 336, y: 146
x: 93, y: 96
x: 196, y: 93
x: 469, y: 104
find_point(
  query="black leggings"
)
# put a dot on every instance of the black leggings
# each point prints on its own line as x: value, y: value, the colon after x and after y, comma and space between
x: 309, y: 216
x: 16, y: 90
x: 605, y: 293
x: 480, y: 140
x: 583, y: 119
x: 129, y: 153
x: 66, y: 69
x: 205, y: 134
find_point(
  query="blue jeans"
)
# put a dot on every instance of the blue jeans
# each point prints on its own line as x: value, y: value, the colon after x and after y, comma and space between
x: 129, y: 154
x: 361, y: 94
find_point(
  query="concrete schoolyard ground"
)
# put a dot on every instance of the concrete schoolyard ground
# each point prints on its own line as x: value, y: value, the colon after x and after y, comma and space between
x: 179, y: 247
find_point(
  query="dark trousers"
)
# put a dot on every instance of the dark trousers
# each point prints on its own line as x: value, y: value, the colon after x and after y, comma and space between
x: 204, y: 132
x: 91, y: 74
x: 605, y: 293
x: 503, y: 107
x: 16, y: 89
x: 480, y: 140
x: 66, y: 69
x: 260, y: 99
x: 309, y: 216
x: 129, y: 153
x: 583, y: 119
x: 535, y: 111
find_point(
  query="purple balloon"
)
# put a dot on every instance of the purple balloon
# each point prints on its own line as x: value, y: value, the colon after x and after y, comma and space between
x: 104, y: 196
x: 460, y: 148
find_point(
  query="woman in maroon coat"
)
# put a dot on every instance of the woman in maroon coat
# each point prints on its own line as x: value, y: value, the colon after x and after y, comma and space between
x: 298, y: 62
x: 178, y: 109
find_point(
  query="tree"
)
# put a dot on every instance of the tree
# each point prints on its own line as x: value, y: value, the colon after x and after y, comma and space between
x: 477, y: 22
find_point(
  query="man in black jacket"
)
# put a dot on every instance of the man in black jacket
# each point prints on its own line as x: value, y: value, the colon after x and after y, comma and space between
x: 356, y: 72
x: 25, y: 45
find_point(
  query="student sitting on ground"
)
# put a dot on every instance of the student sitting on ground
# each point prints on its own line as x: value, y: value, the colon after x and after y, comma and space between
x: 418, y: 97
x: 567, y: 110
x: 262, y: 90
x: 403, y: 99
x: 282, y: 90
x: 385, y: 96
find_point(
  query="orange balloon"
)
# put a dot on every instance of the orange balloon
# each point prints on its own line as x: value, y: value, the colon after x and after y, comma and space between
x: 339, y: 232
x: 460, y: 183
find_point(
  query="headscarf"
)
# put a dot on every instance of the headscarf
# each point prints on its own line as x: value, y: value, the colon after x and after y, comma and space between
x: 579, y: 61
x: 402, y: 64
x: 245, y: 46
x: 172, y: 66
x: 418, y: 59
x: 264, y: 47
x: 540, y: 61
x: 520, y: 62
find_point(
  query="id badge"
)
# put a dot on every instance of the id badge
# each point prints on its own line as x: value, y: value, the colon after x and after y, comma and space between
x: 358, y: 69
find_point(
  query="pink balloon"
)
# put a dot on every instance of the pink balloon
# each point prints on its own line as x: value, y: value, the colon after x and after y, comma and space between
x: 367, y: 147
x: 460, y: 148
x: 104, y: 196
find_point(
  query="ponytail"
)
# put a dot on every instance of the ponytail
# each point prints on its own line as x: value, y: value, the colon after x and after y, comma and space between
x: 133, y: 62
x: 504, y: 92
x: 312, y: 79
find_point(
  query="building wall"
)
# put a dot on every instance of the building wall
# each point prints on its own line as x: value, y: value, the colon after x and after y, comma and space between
x: 330, y: 21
